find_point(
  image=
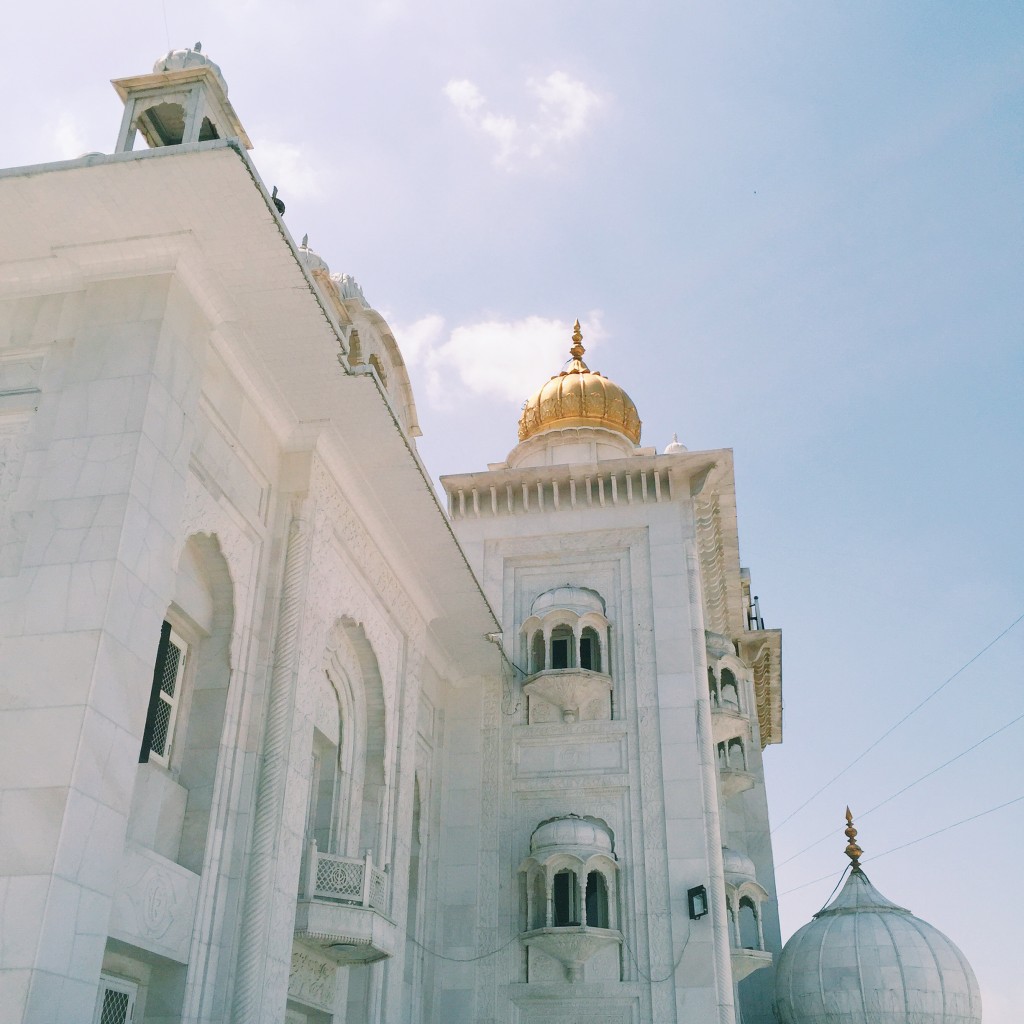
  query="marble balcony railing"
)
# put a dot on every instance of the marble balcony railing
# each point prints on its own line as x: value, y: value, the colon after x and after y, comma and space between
x: 341, y: 909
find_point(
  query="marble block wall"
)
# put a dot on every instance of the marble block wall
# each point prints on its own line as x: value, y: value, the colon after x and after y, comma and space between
x: 98, y: 499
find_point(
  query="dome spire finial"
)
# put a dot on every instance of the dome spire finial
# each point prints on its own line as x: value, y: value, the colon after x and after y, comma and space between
x: 853, y: 851
x: 577, y: 349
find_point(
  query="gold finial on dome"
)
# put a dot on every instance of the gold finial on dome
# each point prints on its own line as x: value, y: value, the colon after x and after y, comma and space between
x: 853, y: 851
x: 577, y: 349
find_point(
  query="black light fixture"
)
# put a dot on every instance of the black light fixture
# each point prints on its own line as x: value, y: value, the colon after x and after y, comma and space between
x: 697, y: 901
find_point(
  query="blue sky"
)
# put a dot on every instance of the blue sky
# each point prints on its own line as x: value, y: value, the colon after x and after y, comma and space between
x: 793, y: 229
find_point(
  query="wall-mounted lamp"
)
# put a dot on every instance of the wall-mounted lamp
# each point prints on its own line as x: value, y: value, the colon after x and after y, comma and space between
x: 697, y: 900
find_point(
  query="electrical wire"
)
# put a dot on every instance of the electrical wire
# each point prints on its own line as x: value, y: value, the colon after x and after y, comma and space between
x: 510, y: 705
x: 647, y: 977
x: 913, y: 842
x: 913, y: 711
x: 863, y: 814
x: 459, y: 959
x: 521, y: 671
x: 836, y: 887
x: 946, y: 828
x: 493, y: 952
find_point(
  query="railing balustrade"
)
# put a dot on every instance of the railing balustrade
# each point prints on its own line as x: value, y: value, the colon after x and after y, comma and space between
x: 345, y: 879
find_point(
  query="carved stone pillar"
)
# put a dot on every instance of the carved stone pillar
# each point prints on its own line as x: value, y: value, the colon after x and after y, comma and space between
x: 713, y: 828
x: 273, y: 766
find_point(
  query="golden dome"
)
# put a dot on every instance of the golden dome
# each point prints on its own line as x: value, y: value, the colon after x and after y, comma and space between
x: 580, y: 397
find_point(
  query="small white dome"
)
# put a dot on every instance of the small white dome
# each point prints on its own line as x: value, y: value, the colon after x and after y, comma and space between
x: 572, y: 834
x: 575, y: 599
x: 739, y: 868
x: 310, y: 260
x: 864, y: 960
x: 674, y: 446
x: 178, y: 60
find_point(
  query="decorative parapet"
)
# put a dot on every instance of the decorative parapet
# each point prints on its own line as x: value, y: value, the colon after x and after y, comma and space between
x: 349, y: 289
x: 555, y: 488
x: 762, y: 650
x: 347, y: 879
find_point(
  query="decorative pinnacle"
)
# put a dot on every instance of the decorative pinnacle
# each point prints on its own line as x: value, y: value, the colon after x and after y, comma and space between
x: 577, y: 349
x: 853, y: 851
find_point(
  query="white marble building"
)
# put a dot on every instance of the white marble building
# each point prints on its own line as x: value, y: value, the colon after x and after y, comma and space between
x: 281, y: 739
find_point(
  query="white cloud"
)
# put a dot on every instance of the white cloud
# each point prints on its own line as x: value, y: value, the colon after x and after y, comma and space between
x: 67, y: 137
x: 465, y: 96
x: 565, y: 111
x: 420, y: 338
x: 295, y: 171
x: 493, y: 359
x: 566, y: 106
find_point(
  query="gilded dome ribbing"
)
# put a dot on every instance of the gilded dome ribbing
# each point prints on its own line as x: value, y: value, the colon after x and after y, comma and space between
x: 580, y: 397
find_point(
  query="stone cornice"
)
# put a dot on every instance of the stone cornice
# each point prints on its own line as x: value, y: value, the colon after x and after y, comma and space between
x: 615, y: 482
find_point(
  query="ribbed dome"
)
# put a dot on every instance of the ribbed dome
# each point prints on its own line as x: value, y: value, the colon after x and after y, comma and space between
x: 576, y: 599
x: 739, y: 868
x: 571, y: 833
x: 864, y: 960
x: 179, y: 60
x: 579, y: 397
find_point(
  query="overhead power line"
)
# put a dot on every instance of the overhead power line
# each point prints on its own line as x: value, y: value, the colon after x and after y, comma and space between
x: 913, y: 711
x: 863, y: 814
x: 913, y: 842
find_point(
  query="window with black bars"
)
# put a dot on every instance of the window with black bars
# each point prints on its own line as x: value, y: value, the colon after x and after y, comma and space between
x: 164, y: 698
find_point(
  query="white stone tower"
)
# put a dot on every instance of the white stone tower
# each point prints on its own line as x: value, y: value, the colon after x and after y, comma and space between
x: 625, y: 834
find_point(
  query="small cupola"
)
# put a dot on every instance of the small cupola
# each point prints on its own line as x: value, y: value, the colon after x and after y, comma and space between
x: 183, y: 100
x: 569, y: 894
x: 565, y: 643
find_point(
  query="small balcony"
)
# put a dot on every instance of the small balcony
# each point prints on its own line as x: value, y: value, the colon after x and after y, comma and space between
x: 341, y: 909
x: 572, y: 946
x: 571, y: 690
x: 734, y: 775
x: 728, y: 722
x: 746, y: 961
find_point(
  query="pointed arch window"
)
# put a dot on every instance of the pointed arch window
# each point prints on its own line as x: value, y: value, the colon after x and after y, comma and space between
x: 597, y: 900
x: 537, y: 652
x: 590, y: 649
x: 565, y: 899
x: 729, y: 690
x: 561, y: 647
x: 750, y: 932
